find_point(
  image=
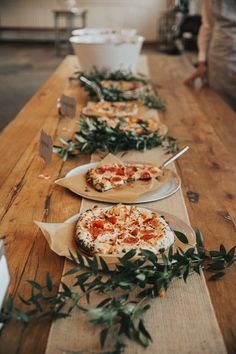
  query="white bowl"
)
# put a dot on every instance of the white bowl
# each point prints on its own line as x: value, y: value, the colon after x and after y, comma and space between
x: 107, y: 30
x: 107, y: 51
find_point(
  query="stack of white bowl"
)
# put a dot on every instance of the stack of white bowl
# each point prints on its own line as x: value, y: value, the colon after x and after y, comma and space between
x: 106, y: 48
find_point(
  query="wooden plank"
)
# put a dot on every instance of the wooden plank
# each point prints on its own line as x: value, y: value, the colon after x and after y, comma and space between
x: 25, y: 197
x: 220, y: 115
x: 20, y: 132
x: 209, y: 169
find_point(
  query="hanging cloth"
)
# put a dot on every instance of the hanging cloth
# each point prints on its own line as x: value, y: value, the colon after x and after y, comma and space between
x: 222, y: 51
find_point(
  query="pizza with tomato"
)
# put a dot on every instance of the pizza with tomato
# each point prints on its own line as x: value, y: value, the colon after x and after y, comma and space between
x: 133, y: 124
x: 116, y: 230
x: 121, y: 85
x: 110, y: 176
x: 110, y: 109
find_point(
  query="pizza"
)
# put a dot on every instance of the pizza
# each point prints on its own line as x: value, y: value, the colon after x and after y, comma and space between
x: 116, y: 230
x: 110, y: 176
x: 110, y: 109
x: 121, y: 85
x: 133, y: 124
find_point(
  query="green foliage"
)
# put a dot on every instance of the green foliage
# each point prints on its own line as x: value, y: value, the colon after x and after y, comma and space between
x: 117, y: 75
x: 95, y: 135
x: 147, y: 95
x: 120, y: 316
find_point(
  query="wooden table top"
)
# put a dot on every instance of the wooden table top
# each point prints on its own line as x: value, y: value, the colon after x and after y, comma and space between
x: 199, y: 118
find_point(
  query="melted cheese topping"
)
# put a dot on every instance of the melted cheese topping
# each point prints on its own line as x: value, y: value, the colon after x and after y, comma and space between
x: 110, y: 176
x: 121, y: 85
x: 132, y: 124
x: 117, y: 229
x: 111, y: 109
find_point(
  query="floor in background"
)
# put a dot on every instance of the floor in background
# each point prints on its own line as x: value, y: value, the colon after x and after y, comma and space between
x: 24, y: 67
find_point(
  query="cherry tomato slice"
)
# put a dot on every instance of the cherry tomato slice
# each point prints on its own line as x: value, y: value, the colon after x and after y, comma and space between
x: 147, y: 232
x: 147, y: 237
x: 98, y: 224
x: 145, y: 175
x: 135, y: 232
x: 131, y: 239
x: 112, y: 219
x: 95, y: 232
x: 116, y: 179
x: 120, y: 171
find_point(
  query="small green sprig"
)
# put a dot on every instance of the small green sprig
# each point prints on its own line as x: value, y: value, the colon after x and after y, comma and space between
x: 95, y: 135
x: 153, y: 101
x: 148, y: 95
x: 117, y: 75
x: 120, y: 316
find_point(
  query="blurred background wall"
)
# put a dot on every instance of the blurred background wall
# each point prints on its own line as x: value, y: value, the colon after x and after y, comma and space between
x: 33, y: 19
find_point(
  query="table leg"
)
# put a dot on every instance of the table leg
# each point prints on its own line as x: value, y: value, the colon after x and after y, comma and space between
x: 84, y: 15
x: 70, y: 26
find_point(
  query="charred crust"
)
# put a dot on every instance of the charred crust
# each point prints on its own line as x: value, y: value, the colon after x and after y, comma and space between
x: 90, y: 180
x: 146, y: 178
x: 88, y: 251
x: 130, y: 180
x: 99, y: 187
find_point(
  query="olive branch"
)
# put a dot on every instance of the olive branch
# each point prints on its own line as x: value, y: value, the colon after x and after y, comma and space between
x: 138, y: 280
x: 95, y: 135
x: 148, y: 95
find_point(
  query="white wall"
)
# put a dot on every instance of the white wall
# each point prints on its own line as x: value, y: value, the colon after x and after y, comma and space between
x: 140, y: 14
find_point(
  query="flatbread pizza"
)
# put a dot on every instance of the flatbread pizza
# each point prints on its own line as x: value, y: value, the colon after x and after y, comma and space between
x: 135, y: 124
x: 122, y: 85
x: 110, y: 176
x: 116, y: 230
x: 110, y: 109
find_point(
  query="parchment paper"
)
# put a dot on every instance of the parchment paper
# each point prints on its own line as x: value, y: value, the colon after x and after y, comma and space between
x: 61, y: 237
x: 123, y: 194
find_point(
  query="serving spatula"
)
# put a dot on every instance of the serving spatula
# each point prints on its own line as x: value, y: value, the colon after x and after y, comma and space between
x: 174, y: 157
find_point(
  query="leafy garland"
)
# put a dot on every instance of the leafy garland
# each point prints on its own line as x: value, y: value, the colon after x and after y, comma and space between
x: 148, y: 96
x: 95, y: 135
x: 120, y: 317
x: 116, y: 75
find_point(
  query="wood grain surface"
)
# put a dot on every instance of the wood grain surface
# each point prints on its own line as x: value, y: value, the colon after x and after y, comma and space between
x: 199, y: 118
x: 208, y: 125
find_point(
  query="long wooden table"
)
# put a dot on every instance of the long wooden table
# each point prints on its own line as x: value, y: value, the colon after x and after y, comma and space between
x: 198, y: 117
